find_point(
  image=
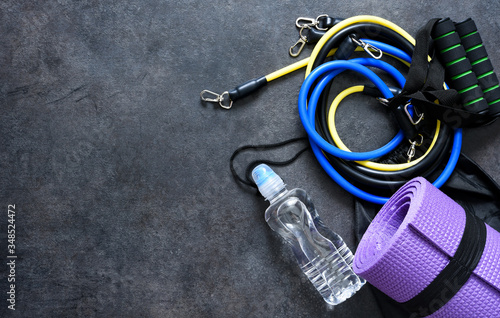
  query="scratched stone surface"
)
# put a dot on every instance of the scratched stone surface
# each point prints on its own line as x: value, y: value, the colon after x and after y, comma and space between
x: 125, y: 205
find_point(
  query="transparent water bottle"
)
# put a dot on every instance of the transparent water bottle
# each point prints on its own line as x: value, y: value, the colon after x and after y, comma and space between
x: 322, y: 254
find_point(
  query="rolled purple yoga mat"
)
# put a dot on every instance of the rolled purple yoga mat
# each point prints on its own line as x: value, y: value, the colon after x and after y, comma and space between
x: 414, y: 237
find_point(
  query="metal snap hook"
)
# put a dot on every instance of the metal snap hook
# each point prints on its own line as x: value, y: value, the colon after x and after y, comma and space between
x: 414, y: 144
x: 209, y: 96
x: 367, y: 47
x: 300, y: 44
x: 316, y: 23
x: 223, y: 99
x: 302, y: 22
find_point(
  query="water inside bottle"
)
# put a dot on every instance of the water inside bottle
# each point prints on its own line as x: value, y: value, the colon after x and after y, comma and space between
x: 320, y: 260
x: 322, y: 254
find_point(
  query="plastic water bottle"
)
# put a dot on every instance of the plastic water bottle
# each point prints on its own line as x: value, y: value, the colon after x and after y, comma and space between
x: 322, y: 254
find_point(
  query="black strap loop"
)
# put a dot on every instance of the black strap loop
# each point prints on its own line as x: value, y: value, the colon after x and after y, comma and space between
x: 455, y: 274
x: 248, y: 180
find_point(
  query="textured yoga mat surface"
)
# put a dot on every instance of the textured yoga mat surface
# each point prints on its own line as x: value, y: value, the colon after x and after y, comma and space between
x: 411, y: 241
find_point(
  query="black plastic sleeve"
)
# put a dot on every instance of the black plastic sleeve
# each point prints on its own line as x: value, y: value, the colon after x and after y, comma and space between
x: 313, y: 35
x: 327, y: 22
x: 247, y: 88
x: 372, y: 90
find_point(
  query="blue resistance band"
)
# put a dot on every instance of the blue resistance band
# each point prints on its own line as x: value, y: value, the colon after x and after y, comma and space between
x: 332, y: 69
x: 325, y: 73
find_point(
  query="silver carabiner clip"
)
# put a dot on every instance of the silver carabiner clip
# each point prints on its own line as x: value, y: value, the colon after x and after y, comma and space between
x: 211, y: 97
x: 367, y: 47
x: 302, y: 22
x: 316, y: 23
x: 300, y: 44
x: 414, y: 144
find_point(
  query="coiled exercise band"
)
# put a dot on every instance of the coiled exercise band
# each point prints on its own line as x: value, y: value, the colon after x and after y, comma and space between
x: 307, y: 111
x: 374, y: 179
x: 332, y: 172
x: 388, y: 175
x: 307, y: 115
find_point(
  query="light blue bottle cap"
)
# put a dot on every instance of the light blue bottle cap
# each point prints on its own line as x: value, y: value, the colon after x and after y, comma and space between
x: 268, y: 182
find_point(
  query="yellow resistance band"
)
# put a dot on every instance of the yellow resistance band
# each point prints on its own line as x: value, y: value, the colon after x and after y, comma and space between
x: 348, y: 22
x: 310, y: 60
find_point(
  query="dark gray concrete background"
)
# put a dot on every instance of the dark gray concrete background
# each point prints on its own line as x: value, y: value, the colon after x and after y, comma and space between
x: 125, y: 203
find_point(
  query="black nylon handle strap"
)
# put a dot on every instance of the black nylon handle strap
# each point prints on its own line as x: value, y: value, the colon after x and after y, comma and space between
x: 417, y: 74
x: 423, y: 75
x: 424, y: 88
x: 455, y: 274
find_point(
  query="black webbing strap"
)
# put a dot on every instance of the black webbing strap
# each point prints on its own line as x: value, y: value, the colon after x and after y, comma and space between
x: 248, y: 171
x: 424, y: 87
x: 455, y: 274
